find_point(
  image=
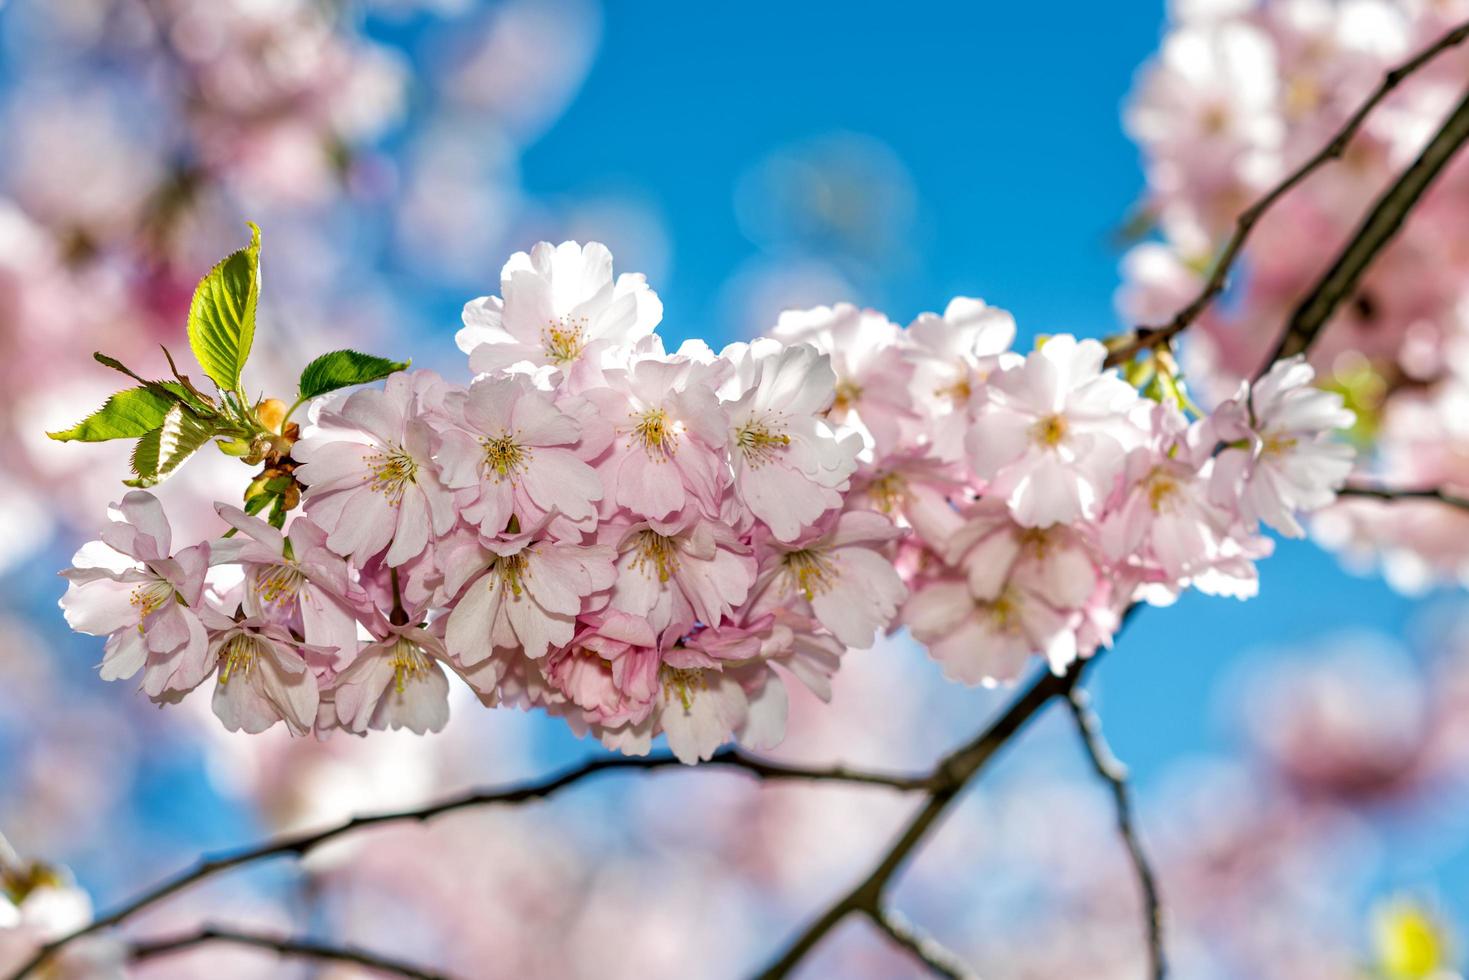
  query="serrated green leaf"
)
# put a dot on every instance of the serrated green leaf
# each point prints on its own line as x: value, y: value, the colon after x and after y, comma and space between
x: 125, y: 415
x: 222, y: 315
x: 159, y: 452
x: 145, y: 460
x: 344, y: 368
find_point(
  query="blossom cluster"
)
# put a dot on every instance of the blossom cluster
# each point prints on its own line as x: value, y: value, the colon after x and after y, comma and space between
x: 1242, y: 92
x: 648, y: 543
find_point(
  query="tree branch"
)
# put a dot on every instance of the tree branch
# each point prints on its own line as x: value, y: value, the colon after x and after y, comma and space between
x: 951, y: 775
x: 302, y: 844
x: 1377, y: 229
x: 1146, y: 337
x: 1390, y: 495
x: 939, y: 961
x: 297, y: 948
x: 1114, y: 773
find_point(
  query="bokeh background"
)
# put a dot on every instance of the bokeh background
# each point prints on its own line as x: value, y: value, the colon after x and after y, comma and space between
x: 1299, y: 758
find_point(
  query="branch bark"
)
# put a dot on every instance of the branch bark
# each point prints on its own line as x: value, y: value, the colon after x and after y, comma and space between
x: 302, y: 844
x: 1147, y: 337
x: 1377, y: 229
x: 951, y: 775
x: 295, y: 948
x: 1390, y: 495
x: 1112, y: 771
x: 934, y: 957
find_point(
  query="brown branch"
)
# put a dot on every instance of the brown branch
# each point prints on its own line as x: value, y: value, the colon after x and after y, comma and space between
x: 950, y: 777
x: 1391, y: 495
x: 1114, y: 773
x: 300, y: 845
x: 938, y: 960
x: 1377, y: 229
x: 297, y: 948
x: 1146, y: 337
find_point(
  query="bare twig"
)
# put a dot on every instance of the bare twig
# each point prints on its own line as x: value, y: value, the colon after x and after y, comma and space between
x: 1114, y: 773
x: 300, y: 845
x: 951, y: 775
x: 1146, y: 337
x: 1377, y: 229
x: 297, y: 948
x: 939, y: 961
x: 1390, y: 495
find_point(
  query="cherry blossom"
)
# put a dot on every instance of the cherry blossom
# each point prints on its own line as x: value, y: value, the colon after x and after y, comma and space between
x: 370, y: 473
x: 560, y: 303
x: 131, y: 589
x: 649, y: 545
x: 1050, y: 434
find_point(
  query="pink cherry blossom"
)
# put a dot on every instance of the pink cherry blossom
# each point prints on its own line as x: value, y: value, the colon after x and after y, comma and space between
x: 840, y: 575
x: 871, y: 380
x: 789, y: 465
x: 292, y: 579
x: 397, y: 681
x: 679, y: 573
x: 670, y: 436
x: 263, y: 677
x: 369, y: 473
x: 521, y: 594
x: 560, y: 303
x: 1050, y: 434
x: 516, y: 458
x: 1288, y: 460
x: 952, y: 356
x: 131, y: 589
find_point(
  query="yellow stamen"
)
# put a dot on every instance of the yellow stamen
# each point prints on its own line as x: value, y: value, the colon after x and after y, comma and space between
x: 564, y: 339
x: 1277, y: 445
x: 1003, y: 611
x: 656, y: 433
x: 847, y: 393
x: 809, y: 572
x: 888, y: 490
x: 654, y: 551
x: 505, y: 458
x: 683, y: 681
x: 510, y: 569
x: 959, y: 392
x: 393, y: 471
x: 760, y: 440
x: 239, y: 654
x: 1162, y: 490
x: 149, y: 597
x: 280, y: 584
x: 409, y: 663
x: 1049, y: 431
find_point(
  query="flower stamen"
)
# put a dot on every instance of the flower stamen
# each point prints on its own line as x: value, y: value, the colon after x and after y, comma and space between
x: 809, y: 572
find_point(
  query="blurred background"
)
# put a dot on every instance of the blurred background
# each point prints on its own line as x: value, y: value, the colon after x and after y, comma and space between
x: 1300, y: 760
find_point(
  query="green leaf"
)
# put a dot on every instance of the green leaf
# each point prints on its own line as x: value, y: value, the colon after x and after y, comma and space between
x: 159, y: 452
x: 344, y: 368
x: 127, y: 414
x: 222, y: 315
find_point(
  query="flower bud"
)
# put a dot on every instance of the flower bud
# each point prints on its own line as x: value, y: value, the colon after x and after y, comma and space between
x: 271, y: 412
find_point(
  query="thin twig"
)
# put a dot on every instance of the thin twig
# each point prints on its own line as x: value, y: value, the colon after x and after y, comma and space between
x: 939, y: 961
x: 951, y: 775
x: 1145, y: 337
x: 300, y: 845
x: 298, y: 948
x: 1377, y: 229
x: 1390, y: 495
x: 1114, y: 773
